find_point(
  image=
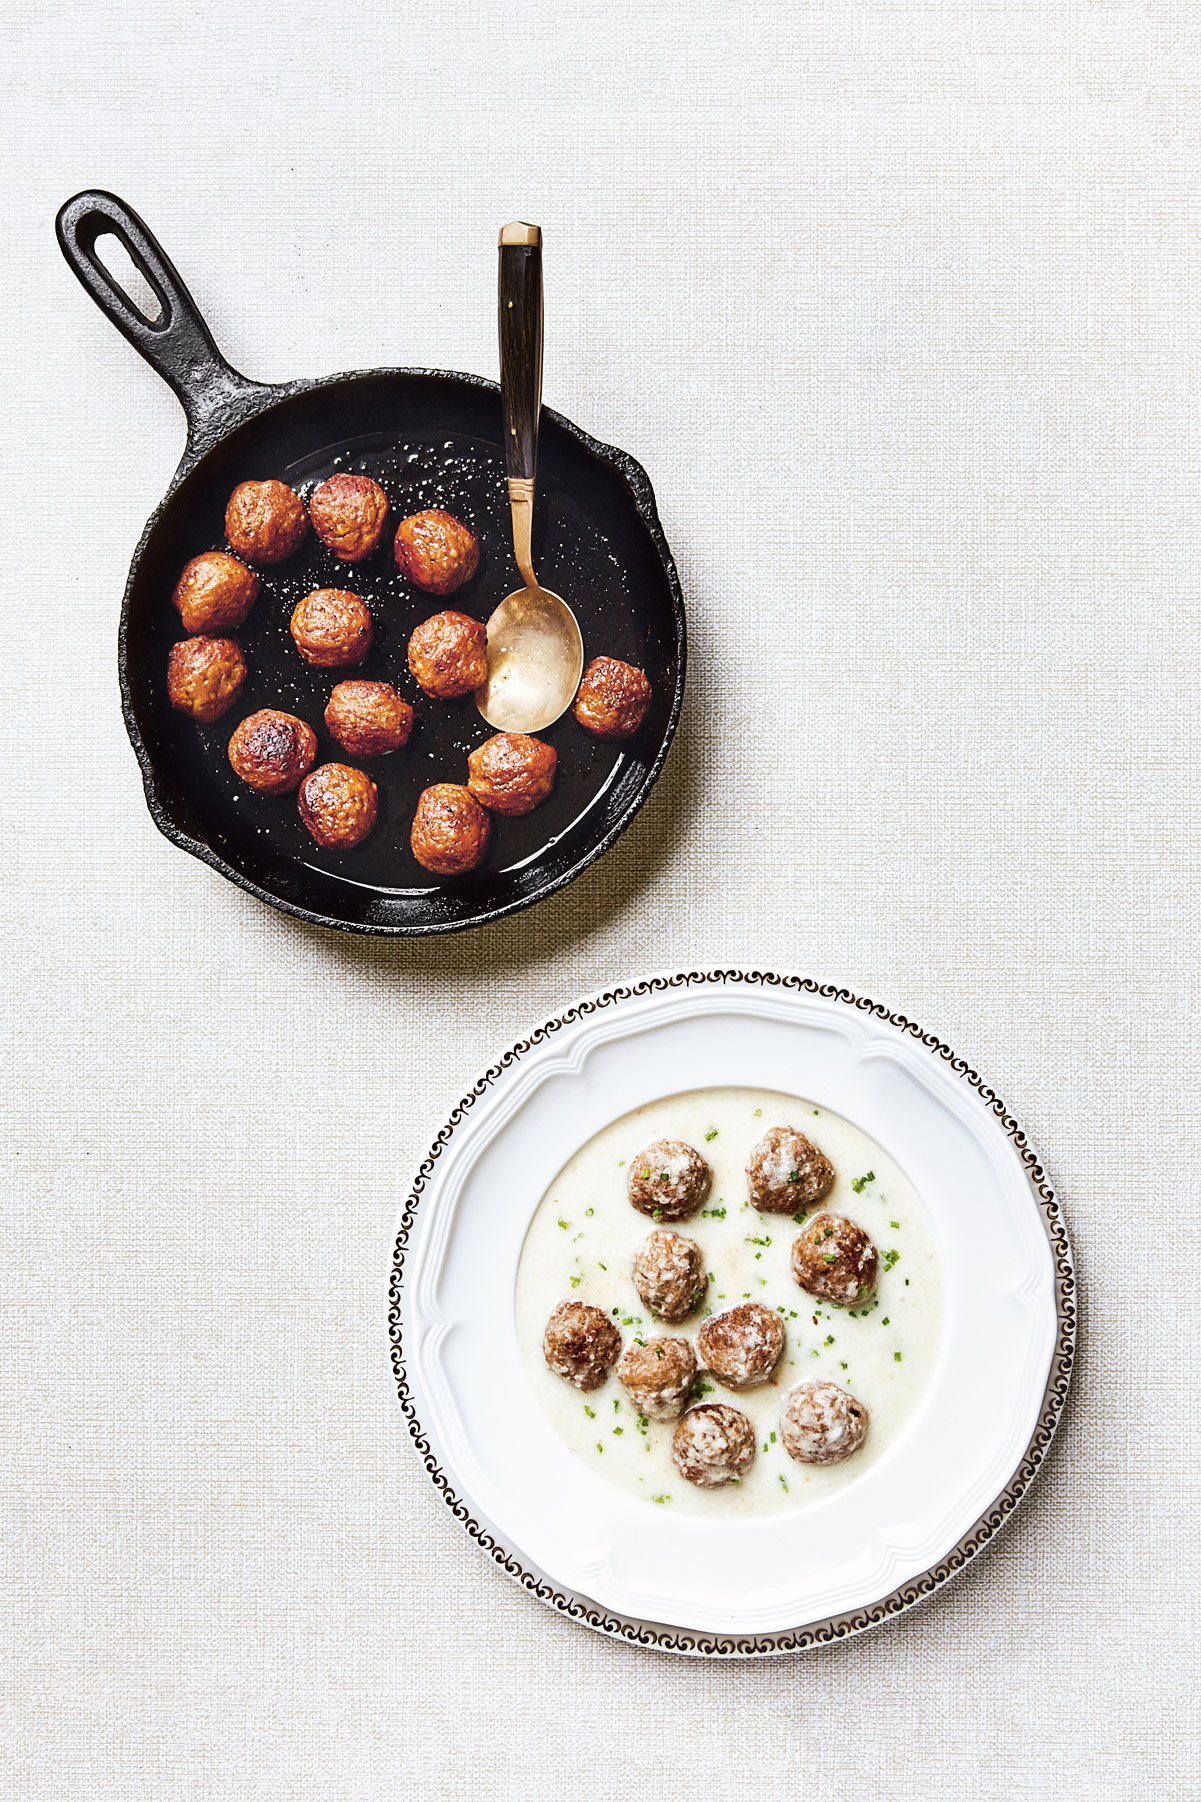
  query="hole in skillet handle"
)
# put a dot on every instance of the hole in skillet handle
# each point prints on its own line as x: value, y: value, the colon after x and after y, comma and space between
x: 130, y: 277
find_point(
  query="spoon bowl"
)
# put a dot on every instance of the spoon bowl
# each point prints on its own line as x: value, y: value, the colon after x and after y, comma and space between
x: 535, y: 661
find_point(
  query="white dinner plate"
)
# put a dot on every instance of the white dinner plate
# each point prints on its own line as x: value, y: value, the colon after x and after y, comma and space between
x: 713, y: 1586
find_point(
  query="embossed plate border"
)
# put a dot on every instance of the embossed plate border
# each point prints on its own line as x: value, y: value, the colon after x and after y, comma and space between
x: 835, y: 1627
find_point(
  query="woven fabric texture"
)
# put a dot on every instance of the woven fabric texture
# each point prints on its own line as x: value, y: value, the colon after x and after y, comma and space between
x: 897, y: 305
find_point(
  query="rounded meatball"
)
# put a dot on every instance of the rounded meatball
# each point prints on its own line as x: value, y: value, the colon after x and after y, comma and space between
x: 331, y: 628
x: 448, y: 655
x: 265, y: 522
x: 450, y: 830
x: 821, y: 1424
x: 215, y: 593
x: 368, y: 719
x: 204, y: 676
x: 668, y: 1180
x: 511, y: 772
x: 349, y: 514
x: 436, y: 551
x: 669, y: 1274
x: 612, y: 698
x: 580, y: 1344
x: 786, y: 1173
x: 272, y: 751
x: 833, y: 1258
x: 713, y: 1445
x: 658, y: 1376
x: 741, y: 1347
x: 338, y: 805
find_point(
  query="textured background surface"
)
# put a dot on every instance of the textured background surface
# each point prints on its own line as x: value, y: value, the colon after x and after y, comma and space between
x: 898, y: 305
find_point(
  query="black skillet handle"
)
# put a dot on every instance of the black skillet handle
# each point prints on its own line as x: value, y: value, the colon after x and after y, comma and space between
x: 178, y: 344
x: 519, y: 297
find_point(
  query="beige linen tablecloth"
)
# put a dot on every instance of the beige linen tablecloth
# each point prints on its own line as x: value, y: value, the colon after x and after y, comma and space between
x: 898, y: 304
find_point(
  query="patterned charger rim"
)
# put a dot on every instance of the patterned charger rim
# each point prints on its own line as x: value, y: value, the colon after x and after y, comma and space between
x: 835, y: 1627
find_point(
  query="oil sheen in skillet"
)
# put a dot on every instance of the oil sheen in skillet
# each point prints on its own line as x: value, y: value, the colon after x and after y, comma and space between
x: 465, y: 476
x: 582, y: 1240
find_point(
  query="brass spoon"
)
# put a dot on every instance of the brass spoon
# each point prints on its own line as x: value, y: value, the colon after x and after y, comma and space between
x: 535, y: 651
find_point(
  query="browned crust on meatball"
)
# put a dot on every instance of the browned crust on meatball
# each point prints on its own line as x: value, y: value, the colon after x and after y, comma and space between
x: 668, y: 1180
x: 786, y: 1173
x: 833, y: 1258
x: 338, y: 805
x: 205, y: 676
x: 450, y: 830
x: 331, y: 628
x: 436, y: 551
x: 448, y: 655
x: 742, y: 1346
x: 658, y: 1376
x: 511, y: 772
x: 272, y: 751
x: 669, y: 1274
x: 612, y: 698
x: 349, y: 513
x: 214, y: 593
x: 368, y: 719
x: 265, y: 522
x: 713, y: 1445
x: 580, y: 1344
x: 822, y: 1424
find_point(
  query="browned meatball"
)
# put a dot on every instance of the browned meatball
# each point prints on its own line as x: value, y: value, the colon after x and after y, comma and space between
x: 215, y: 593
x: 713, y: 1445
x: 448, y: 655
x: 271, y: 751
x: 669, y: 1274
x: 821, y: 1424
x: 786, y: 1173
x: 349, y: 514
x: 511, y: 772
x: 368, y: 719
x: 338, y: 805
x: 668, y: 1180
x: 581, y: 1344
x: 742, y: 1346
x: 436, y: 551
x: 265, y: 522
x: 658, y: 1376
x: 450, y: 830
x: 331, y: 628
x: 835, y: 1259
x: 612, y: 698
x: 204, y: 676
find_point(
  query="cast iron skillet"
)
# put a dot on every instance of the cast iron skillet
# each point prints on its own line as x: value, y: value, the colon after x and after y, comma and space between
x: 431, y: 439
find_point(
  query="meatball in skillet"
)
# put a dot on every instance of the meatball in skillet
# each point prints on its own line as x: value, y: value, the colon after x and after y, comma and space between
x: 833, y: 1258
x: 657, y: 1376
x: 368, y: 719
x: 450, y: 831
x: 204, y: 677
x: 668, y: 1180
x: 272, y: 751
x: 448, y: 655
x: 713, y: 1445
x: 581, y: 1344
x: 741, y: 1347
x: 511, y: 772
x: 331, y: 628
x: 786, y: 1173
x: 612, y: 699
x: 436, y: 551
x: 265, y: 522
x: 215, y: 593
x: 349, y: 514
x: 338, y: 805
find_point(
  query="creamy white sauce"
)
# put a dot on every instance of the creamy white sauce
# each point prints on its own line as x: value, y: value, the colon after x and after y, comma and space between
x: 581, y: 1244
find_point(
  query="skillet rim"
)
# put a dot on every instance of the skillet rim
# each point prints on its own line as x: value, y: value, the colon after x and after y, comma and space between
x: 260, y: 399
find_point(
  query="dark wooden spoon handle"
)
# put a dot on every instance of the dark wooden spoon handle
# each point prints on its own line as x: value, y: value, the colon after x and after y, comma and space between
x: 519, y: 309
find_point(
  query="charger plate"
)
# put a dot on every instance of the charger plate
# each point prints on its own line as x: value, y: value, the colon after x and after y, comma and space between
x: 765, y: 1585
